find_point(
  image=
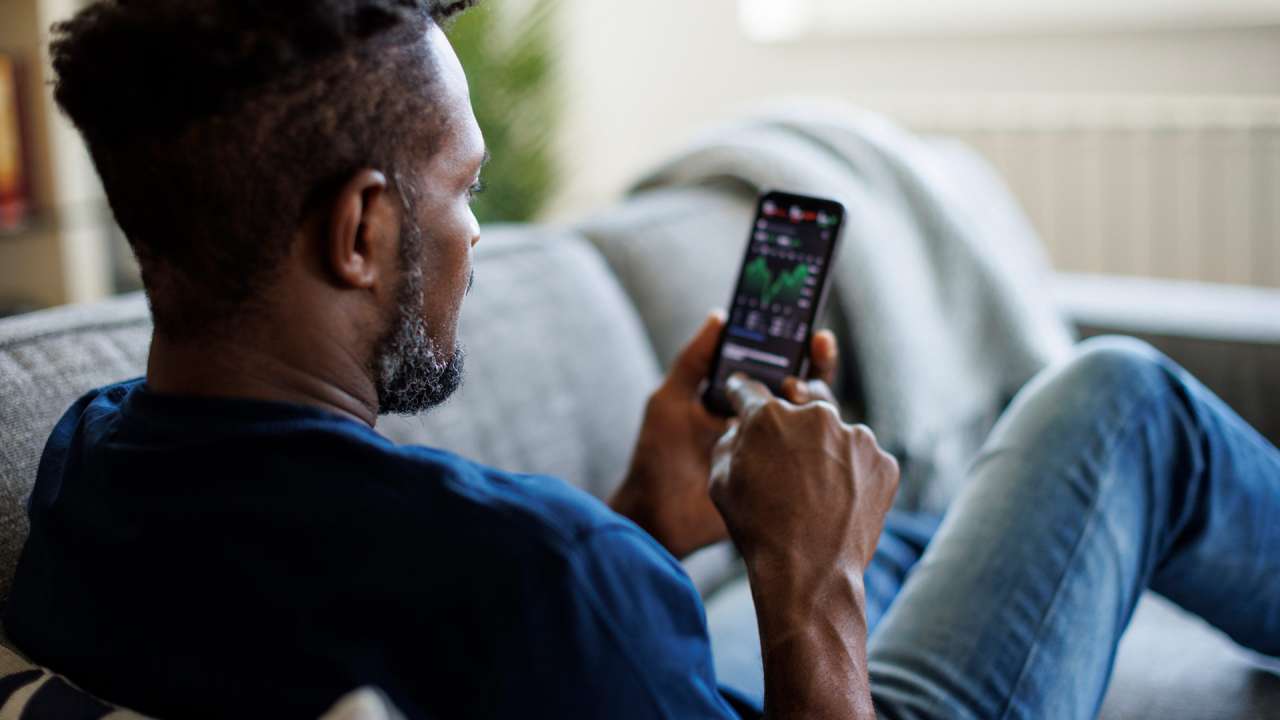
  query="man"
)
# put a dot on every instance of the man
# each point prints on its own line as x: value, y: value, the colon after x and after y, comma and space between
x: 231, y: 533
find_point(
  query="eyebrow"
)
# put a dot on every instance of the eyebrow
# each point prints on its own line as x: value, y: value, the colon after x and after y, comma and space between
x: 485, y: 160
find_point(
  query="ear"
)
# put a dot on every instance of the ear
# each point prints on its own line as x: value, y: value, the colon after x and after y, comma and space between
x: 362, y: 238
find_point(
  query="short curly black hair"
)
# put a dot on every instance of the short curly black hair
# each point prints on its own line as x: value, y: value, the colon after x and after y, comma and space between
x: 215, y: 126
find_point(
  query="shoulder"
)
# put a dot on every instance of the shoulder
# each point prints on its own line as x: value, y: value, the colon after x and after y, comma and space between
x: 103, y: 402
x: 96, y: 409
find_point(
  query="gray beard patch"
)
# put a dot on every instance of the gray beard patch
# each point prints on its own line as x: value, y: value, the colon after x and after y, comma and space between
x: 412, y: 374
x: 413, y: 377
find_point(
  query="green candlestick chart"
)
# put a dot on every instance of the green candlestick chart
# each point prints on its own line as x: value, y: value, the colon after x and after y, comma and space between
x: 758, y: 279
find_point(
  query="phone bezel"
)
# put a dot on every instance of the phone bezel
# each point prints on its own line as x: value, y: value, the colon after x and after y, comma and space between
x: 799, y: 366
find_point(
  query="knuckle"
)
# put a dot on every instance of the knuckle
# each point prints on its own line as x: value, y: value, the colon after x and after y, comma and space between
x: 810, y: 412
x: 893, y: 470
x: 822, y: 415
x: 773, y: 412
x: 864, y: 435
x: 889, y: 461
x: 889, y: 471
x: 831, y: 411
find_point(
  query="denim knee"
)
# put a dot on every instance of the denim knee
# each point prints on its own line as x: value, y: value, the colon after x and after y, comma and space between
x: 1116, y: 363
x: 1091, y: 393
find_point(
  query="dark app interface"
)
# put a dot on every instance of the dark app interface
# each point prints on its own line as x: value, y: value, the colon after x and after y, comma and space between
x: 777, y: 293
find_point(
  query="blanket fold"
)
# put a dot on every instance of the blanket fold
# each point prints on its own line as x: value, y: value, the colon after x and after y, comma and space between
x: 940, y: 276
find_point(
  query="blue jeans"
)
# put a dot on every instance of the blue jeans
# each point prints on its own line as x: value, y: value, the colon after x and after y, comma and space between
x: 1109, y: 474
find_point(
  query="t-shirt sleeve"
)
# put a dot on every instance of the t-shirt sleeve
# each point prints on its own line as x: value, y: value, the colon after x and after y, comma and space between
x: 635, y: 634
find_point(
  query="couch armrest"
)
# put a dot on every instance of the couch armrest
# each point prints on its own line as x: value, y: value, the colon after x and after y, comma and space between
x: 1227, y: 336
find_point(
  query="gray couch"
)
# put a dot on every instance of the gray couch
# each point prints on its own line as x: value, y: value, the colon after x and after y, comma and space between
x: 564, y: 346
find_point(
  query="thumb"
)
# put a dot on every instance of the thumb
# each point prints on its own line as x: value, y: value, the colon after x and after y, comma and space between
x: 824, y: 357
x: 694, y: 361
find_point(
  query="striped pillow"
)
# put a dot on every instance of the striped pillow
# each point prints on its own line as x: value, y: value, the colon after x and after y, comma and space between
x: 29, y: 692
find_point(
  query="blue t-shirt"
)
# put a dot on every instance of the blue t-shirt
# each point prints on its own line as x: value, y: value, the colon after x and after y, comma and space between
x: 195, y: 557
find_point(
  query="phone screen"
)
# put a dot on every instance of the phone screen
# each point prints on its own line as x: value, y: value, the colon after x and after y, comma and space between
x: 778, y: 294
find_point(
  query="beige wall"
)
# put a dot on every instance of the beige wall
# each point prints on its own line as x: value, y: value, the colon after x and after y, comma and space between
x: 642, y: 77
x: 30, y: 262
x: 62, y: 258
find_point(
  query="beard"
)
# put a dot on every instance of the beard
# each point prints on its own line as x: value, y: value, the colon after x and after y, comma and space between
x: 412, y: 372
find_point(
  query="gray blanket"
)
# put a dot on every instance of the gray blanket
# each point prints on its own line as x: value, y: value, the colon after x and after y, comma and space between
x: 940, y: 277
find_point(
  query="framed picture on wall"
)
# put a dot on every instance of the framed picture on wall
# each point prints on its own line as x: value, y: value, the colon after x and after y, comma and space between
x: 14, y: 201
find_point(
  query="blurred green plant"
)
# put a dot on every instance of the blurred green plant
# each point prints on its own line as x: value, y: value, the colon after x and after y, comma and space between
x: 508, y: 50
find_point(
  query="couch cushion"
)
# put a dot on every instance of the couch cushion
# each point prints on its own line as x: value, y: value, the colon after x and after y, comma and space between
x: 1172, y: 664
x: 676, y: 251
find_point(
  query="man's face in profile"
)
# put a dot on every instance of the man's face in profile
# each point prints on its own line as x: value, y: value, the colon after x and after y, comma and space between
x: 418, y: 361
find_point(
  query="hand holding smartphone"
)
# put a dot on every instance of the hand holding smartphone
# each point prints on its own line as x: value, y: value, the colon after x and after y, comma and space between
x: 781, y: 288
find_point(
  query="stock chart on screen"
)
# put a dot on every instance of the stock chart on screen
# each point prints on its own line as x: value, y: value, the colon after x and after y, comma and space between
x: 777, y: 291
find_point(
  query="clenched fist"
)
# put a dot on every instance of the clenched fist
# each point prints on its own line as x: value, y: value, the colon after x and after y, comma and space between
x: 666, y: 488
x: 801, y: 491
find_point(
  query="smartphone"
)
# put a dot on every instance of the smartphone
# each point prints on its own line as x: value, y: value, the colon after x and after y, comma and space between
x: 781, y: 289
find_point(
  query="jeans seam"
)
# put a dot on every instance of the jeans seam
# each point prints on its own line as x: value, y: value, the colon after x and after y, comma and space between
x: 1138, y: 404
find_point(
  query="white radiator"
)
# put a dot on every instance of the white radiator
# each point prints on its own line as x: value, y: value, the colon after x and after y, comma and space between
x: 1173, y: 187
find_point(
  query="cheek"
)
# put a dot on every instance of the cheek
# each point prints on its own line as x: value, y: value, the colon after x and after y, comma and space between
x: 448, y: 265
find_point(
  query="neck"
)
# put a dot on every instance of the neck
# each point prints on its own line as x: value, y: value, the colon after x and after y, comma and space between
x: 315, y: 372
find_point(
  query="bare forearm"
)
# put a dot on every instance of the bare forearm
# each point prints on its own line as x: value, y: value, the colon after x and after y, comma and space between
x: 813, y: 638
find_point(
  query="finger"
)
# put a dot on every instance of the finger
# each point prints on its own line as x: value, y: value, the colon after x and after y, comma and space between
x: 722, y: 452
x: 745, y: 395
x: 820, y: 391
x: 795, y: 391
x: 726, y: 440
x: 713, y: 423
x: 694, y: 361
x: 824, y: 357
x: 801, y: 392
